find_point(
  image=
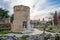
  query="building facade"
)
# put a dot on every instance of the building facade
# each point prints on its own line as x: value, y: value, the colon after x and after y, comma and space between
x: 5, y: 24
x: 21, y: 18
x: 57, y: 18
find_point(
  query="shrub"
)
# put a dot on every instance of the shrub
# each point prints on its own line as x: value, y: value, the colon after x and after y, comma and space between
x: 23, y: 38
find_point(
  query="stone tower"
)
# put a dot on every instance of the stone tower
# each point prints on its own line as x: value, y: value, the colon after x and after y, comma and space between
x: 21, y: 18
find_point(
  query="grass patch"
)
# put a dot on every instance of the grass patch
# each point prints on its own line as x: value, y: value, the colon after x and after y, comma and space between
x: 23, y: 38
x: 3, y: 32
x: 16, y: 32
x: 7, y: 32
x: 53, y: 30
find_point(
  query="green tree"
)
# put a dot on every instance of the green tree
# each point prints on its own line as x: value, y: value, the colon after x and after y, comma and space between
x: 4, y: 13
x: 49, y: 22
x: 12, y: 18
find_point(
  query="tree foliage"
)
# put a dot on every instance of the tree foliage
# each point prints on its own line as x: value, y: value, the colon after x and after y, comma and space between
x: 12, y: 17
x: 3, y: 13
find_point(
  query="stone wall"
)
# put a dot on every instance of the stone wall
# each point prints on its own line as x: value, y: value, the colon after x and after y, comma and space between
x: 21, y: 14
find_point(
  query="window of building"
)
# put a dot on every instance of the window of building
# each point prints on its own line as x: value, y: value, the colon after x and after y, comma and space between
x: 17, y: 9
x: 24, y: 24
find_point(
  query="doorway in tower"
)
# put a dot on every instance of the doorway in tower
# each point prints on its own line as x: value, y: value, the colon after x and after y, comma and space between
x: 24, y: 24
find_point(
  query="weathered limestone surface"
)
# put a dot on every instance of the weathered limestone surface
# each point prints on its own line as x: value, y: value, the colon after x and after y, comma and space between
x: 21, y: 14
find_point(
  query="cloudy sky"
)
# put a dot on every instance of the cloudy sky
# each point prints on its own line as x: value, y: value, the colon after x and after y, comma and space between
x: 38, y: 8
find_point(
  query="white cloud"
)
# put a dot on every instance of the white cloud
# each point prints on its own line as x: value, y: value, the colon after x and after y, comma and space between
x: 6, y: 0
x: 34, y: 12
x: 0, y: 6
x: 22, y: 2
x: 29, y: 3
x: 38, y: 4
x: 43, y: 14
